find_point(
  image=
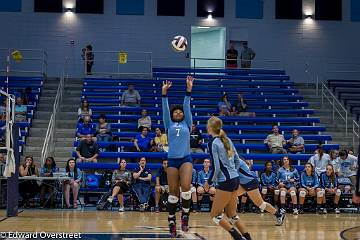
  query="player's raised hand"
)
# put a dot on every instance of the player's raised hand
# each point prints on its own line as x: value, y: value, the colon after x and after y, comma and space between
x: 189, y: 83
x: 165, y: 87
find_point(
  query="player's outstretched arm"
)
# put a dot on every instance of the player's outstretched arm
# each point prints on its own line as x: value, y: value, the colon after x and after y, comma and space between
x: 187, y: 108
x: 165, y: 104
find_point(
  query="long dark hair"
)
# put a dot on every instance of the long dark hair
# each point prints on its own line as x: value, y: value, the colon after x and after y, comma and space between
x: 68, y: 168
x: 53, y: 163
x: 332, y: 176
x: 290, y: 163
x: 312, y: 169
x: 320, y: 151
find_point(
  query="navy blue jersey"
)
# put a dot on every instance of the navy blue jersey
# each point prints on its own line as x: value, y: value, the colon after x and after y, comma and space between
x: 327, y: 182
x: 145, y: 173
x: 178, y: 132
x: 162, y: 175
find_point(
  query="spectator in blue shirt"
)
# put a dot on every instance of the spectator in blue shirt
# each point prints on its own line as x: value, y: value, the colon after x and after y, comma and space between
x: 74, y: 184
x: 47, y: 186
x: 268, y: 182
x: 296, y: 143
x: 142, y: 185
x: 203, y: 182
x: 20, y: 110
x: 86, y: 128
x: 161, y: 186
x: 224, y: 106
x: 310, y: 186
x: 329, y: 183
x: 142, y: 141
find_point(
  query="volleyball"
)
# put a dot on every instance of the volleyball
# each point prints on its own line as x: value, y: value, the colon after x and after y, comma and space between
x: 179, y: 43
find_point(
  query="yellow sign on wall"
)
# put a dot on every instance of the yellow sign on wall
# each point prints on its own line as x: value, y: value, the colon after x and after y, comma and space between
x: 17, y: 56
x: 123, y: 57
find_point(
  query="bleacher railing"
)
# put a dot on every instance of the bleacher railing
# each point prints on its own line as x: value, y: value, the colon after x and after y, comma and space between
x: 49, y: 144
x: 32, y: 62
x: 356, y: 134
x: 336, y: 105
x: 109, y: 64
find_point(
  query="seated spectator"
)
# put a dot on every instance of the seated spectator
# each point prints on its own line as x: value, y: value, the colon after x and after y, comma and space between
x: 28, y: 188
x: 224, y: 106
x: 348, y: 166
x: 195, y: 140
x: 103, y: 130
x: 329, y: 184
x: 203, y: 185
x: 3, y: 109
x: 47, y: 186
x: 29, y: 97
x: 131, y: 97
x: 269, y: 182
x: 320, y: 160
x: 142, y: 185
x: 161, y: 186
x: 334, y: 160
x: 241, y: 107
x: 84, y: 110
x: 288, y: 179
x: 296, y: 143
x: 161, y: 141
x: 87, y: 150
x: 142, y: 141
x: 121, y: 180
x: 85, y: 128
x: 224, y: 112
x: 145, y: 120
x: 74, y: 184
x: 20, y: 110
x: 275, y: 141
x: 310, y: 186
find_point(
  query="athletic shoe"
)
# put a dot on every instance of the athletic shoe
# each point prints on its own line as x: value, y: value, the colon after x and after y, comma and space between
x: 247, y: 236
x: 157, y: 209
x: 295, y: 211
x: 319, y: 211
x: 110, y: 199
x: 282, y: 210
x: 280, y: 219
x: 172, y: 229
x: 185, y: 222
x: 324, y: 211
x: 121, y: 209
x: 142, y: 207
x: 337, y: 210
x: 301, y: 211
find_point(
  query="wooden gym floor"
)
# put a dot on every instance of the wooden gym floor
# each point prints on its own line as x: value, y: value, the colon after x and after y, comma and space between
x: 261, y: 226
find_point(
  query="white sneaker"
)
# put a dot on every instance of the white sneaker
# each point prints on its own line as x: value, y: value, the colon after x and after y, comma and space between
x: 121, y: 209
x: 337, y: 210
x: 282, y: 210
x: 295, y: 211
x: 324, y: 211
x: 110, y: 199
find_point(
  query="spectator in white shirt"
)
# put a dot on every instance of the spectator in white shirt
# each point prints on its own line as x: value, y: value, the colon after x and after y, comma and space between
x: 320, y: 160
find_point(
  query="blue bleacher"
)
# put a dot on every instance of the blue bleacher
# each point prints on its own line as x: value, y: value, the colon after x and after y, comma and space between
x: 268, y: 93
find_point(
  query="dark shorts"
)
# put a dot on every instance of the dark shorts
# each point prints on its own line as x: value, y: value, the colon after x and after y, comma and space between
x: 253, y: 184
x: 177, y: 162
x: 229, y: 185
x: 123, y: 187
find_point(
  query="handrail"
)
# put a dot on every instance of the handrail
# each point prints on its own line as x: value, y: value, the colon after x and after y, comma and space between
x: 356, y: 133
x: 49, y: 144
x: 332, y: 99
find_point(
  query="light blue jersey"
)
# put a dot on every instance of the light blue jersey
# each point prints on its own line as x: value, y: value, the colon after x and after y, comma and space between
x: 327, y: 182
x: 268, y: 180
x: 309, y: 181
x: 203, y: 177
x: 224, y: 168
x: 178, y: 132
x: 285, y: 175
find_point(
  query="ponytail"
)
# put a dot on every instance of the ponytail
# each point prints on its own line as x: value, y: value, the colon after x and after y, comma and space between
x: 226, y: 143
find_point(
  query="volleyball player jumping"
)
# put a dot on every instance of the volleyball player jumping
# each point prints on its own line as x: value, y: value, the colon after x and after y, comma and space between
x: 177, y: 123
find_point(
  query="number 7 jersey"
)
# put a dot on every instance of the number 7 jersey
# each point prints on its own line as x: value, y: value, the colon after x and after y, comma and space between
x: 178, y: 132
